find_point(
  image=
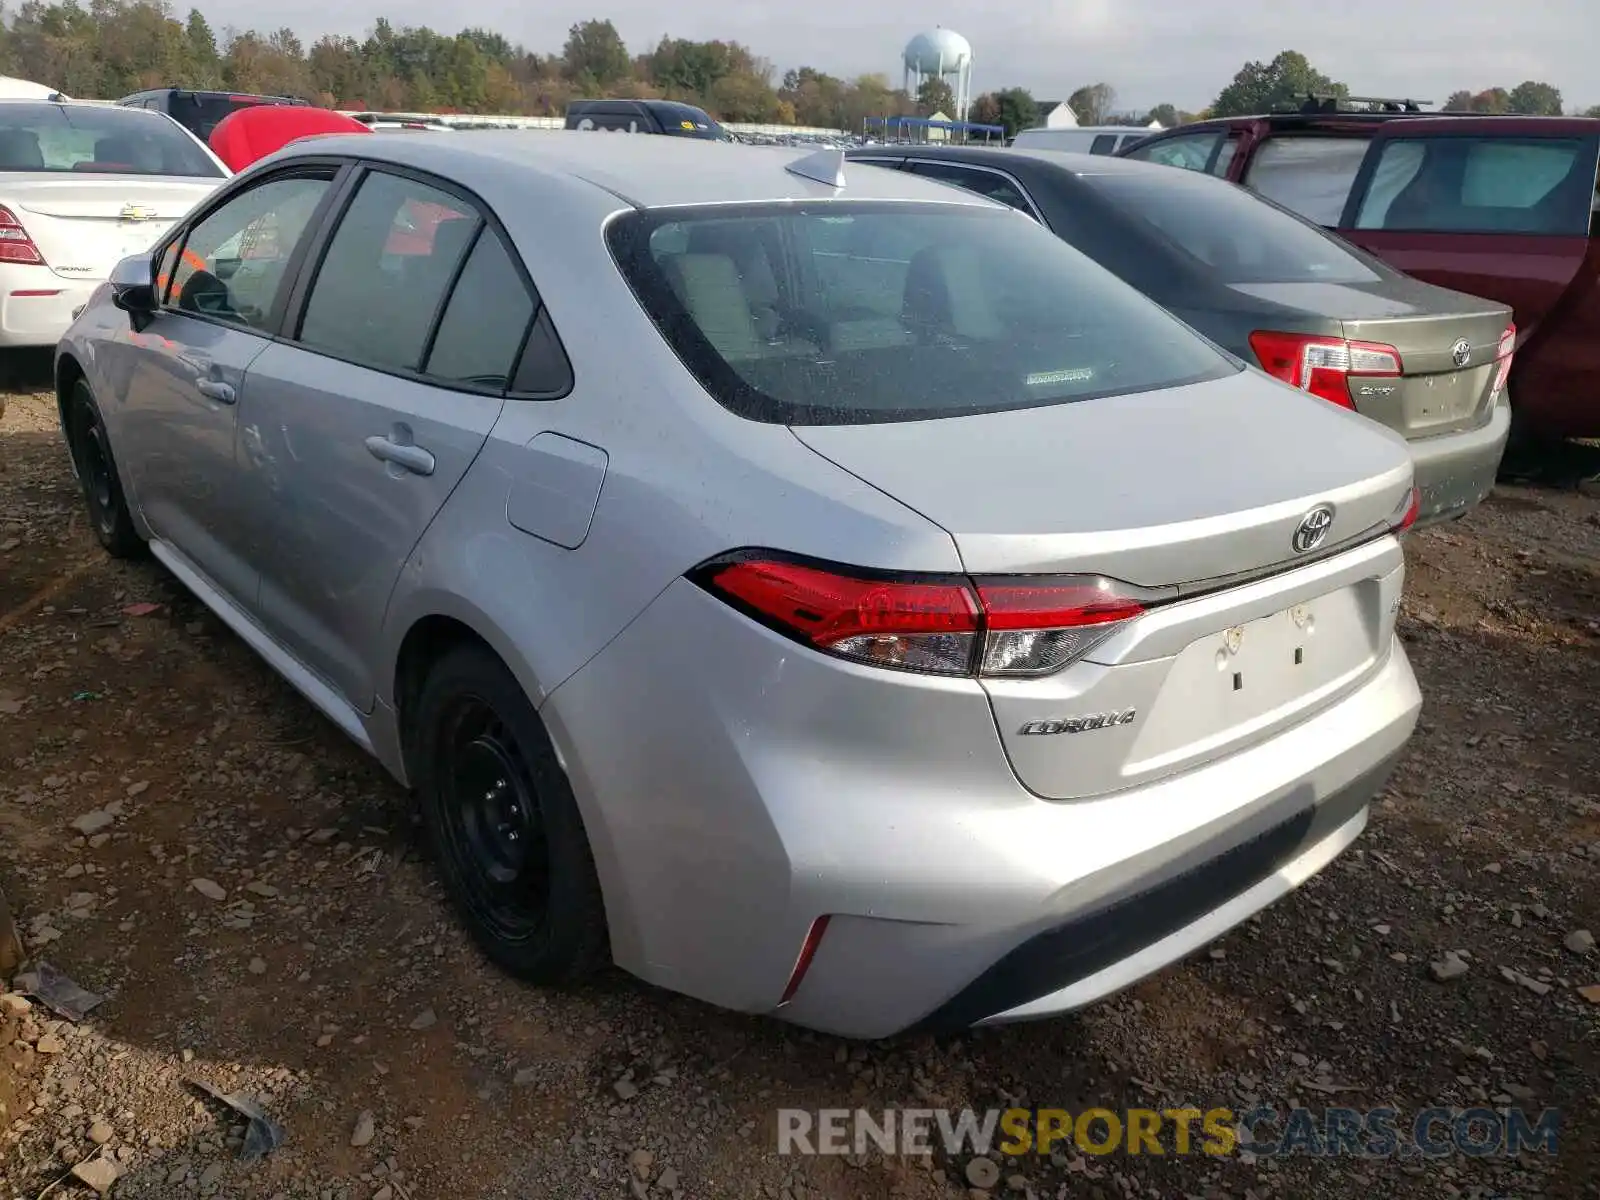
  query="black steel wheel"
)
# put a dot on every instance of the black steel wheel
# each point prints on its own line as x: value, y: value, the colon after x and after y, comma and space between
x: 97, y: 473
x: 503, y: 822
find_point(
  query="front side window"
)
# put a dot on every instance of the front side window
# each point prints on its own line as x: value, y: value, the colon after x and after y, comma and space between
x: 74, y: 139
x: 1235, y: 237
x: 1310, y: 175
x: 1482, y: 185
x: 842, y: 313
x: 234, y: 264
x: 386, y: 270
x: 1190, y: 151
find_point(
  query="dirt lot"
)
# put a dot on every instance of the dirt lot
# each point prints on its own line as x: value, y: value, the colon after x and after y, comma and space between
x: 180, y: 832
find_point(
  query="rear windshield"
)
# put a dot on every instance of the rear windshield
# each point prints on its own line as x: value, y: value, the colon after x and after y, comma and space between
x: 112, y: 141
x: 1233, y: 236
x: 1482, y: 185
x: 204, y: 111
x: 845, y: 313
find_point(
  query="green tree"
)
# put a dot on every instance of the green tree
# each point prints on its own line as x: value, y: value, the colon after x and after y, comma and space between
x: 935, y: 96
x: 1536, y: 98
x: 595, y: 54
x: 985, y: 110
x: 1017, y: 110
x: 1165, y: 114
x: 1459, y: 102
x: 1592, y: 112
x: 1260, y: 87
x: 1092, y: 104
x: 204, y: 60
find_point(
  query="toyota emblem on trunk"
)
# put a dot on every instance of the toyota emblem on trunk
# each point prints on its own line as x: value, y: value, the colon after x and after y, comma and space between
x: 1460, y: 352
x: 1313, y: 528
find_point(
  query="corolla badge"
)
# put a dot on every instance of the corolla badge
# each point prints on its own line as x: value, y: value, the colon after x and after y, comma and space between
x: 1313, y: 529
x: 1461, y: 352
x: 1105, y: 720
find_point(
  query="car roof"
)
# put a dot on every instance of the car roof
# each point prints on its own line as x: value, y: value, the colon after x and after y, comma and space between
x: 1502, y: 123
x: 1074, y: 162
x: 642, y: 171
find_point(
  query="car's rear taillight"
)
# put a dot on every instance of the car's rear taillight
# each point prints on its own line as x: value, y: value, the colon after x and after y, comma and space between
x: 15, y: 244
x: 949, y: 625
x: 1323, y: 365
x: 1508, y: 347
x: 1406, y: 513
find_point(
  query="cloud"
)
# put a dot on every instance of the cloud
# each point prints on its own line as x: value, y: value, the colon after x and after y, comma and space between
x: 1180, y: 51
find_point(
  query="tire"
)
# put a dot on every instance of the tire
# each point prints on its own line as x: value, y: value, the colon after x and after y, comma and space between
x: 504, y: 826
x: 97, y: 472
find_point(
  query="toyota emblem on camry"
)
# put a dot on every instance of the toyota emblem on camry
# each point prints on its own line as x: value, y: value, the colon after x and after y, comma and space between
x: 1460, y: 352
x: 1313, y: 528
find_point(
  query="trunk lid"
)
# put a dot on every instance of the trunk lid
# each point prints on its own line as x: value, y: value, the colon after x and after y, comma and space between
x: 1425, y: 324
x: 1186, y: 486
x: 1156, y: 488
x: 85, y: 225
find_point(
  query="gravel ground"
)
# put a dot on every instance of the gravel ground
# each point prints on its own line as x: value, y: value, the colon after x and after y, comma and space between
x: 180, y: 832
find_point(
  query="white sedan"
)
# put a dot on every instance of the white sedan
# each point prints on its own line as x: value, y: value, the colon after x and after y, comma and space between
x: 82, y: 186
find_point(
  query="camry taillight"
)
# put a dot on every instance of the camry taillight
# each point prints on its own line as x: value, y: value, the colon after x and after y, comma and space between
x: 15, y: 244
x: 1323, y: 365
x: 951, y: 625
x: 1508, y: 347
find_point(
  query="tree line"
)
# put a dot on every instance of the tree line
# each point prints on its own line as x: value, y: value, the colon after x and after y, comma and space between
x: 105, y: 49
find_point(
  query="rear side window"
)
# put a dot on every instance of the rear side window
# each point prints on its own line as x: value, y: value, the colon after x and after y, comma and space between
x: 1105, y: 143
x: 1482, y: 185
x: 1310, y: 175
x: 837, y: 313
x: 1190, y: 151
x: 386, y: 270
x: 484, y: 323
x: 985, y: 183
x: 1234, y: 236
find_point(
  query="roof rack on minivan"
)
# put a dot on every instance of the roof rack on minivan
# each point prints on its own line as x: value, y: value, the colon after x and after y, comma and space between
x: 1318, y: 102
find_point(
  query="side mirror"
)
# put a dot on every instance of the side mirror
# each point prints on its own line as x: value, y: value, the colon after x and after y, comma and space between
x: 133, y: 285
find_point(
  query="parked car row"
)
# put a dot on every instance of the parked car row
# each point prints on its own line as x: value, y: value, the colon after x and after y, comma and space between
x: 1502, y: 207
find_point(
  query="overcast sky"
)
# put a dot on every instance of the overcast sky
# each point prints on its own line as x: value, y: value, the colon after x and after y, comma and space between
x: 1151, y: 51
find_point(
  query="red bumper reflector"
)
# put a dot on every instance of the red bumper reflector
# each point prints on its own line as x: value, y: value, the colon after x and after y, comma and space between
x: 808, y: 951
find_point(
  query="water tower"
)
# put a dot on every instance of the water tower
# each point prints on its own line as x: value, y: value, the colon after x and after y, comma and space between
x: 941, y: 54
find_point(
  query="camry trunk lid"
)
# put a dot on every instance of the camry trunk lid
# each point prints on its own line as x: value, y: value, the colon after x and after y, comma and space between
x: 1198, y: 492
x: 1156, y: 488
x: 1447, y: 342
x: 85, y: 224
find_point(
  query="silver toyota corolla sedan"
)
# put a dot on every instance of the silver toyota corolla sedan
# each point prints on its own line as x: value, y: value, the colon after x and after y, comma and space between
x: 815, y: 589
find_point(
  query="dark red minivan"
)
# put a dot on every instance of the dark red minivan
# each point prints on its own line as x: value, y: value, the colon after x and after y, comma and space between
x: 1507, y: 208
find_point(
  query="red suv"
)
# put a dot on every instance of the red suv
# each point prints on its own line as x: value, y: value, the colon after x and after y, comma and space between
x: 1507, y: 208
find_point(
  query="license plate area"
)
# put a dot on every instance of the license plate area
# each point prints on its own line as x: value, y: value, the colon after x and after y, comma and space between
x: 1244, y: 681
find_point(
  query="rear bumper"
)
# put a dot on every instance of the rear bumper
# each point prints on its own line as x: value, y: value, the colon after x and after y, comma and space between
x: 1454, y: 471
x: 733, y: 798
x: 37, y: 305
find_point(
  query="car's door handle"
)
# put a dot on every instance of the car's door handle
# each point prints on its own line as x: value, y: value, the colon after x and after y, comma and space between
x: 222, y: 393
x: 411, y: 458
